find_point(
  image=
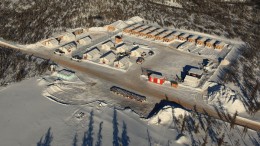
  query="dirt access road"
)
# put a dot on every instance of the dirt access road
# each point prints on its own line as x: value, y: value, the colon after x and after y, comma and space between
x: 131, y: 80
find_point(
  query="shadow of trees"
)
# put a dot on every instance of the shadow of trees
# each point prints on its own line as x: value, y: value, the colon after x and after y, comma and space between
x: 99, y: 136
x: 88, y: 135
x: 115, y: 129
x: 125, y: 138
x: 75, y: 140
x: 47, y: 139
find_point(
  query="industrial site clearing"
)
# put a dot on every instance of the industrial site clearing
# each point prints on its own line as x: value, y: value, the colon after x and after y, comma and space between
x: 138, y: 68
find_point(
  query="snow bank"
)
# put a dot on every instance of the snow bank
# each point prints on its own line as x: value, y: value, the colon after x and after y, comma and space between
x: 165, y: 116
x: 223, y: 96
x: 182, y: 139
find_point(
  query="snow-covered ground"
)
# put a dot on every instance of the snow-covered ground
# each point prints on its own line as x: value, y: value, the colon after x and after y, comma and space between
x: 28, y: 119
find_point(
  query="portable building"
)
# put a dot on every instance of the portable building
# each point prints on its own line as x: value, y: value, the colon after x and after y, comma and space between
x: 92, y: 54
x: 155, y: 33
x: 78, y: 32
x: 121, y: 62
x: 65, y: 37
x: 147, y: 31
x: 156, y: 78
x: 219, y: 45
x: 171, y: 36
x: 137, y: 52
x: 201, y: 41
x: 68, y: 48
x: 107, y: 58
x: 107, y: 45
x: 193, y: 38
x: 85, y: 40
x: 50, y: 43
x: 210, y: 43
x: 191, y: 81
x: 118, y: 39
x: 184, y: 36
x: 164, y: 34
x: 121, y: 48
x: 138, y: 30
x: 130, y: 28
x: 195, y: 73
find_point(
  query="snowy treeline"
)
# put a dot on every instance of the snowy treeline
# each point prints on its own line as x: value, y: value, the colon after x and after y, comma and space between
x: 15, y: 66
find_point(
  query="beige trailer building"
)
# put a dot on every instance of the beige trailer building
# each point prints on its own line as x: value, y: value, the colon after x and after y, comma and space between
x: 107, y: 45
x: 79, y: 32
x: 50, y: 42
x: 132, y: 27
x: 68, y: 48
x: 138, y: 30
x: 155, y: 33
x: 147, y: 31
x: 164, y: 34
x: 65, y: 37
x: 137, y: 51
x: 121, y: 62
x: 219, y: 45
x: 193, y: 38
x: 201, y: 41
x: 183, y: 36
x: 85, y: 40
x: 107, y: 58
x: 210, y: 43
x: 121, y: 48
x: 92, y: 54
x: 172, y: 36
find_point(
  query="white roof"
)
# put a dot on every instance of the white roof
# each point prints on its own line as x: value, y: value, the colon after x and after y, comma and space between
x: 150, y: 30
x: 109, y: 55
x: 202, y: 39
x: 70, y: 45
x: 164, y: 34
x: 135, y: 19
x: 156, y: 76
x: 174, y: 34
x: 158, y: 31
x: 87, y: 38
x: 109, y: 43
x: 193, y: 37
x: 123, y: 60
x: 142, y: 28
x: 134, y: 26
x: 93, y: 51
x: 119, y: 24
x: 220, y: 43
x: 212, y: 41
x: 184, y: 35
x: 196, y: 71
x: 122, y: 45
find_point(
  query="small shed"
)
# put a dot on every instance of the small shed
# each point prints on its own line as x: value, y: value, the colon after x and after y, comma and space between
x: 50, y: 43
x: 92, y: 54
x: 118, y: 39
x: 210, y: 43
x: 120, y: 48
x: 195, y: 73
x: 66, y: 74
x: 174, y: 35
x: 68, y: 48
x: 78, y: 32
x: 137, y: 51
x: 184, y: 36
x: 193, y: 38
x: 107, y: 45
x: 155, y: 33
x: 201, y: 41
x: 219, y: 45
x: 85, y: 40
x: 107, y: 58
x: 156, y: 78
x: 140, y: 29
x: 130, y: 28
x: 121, y: 62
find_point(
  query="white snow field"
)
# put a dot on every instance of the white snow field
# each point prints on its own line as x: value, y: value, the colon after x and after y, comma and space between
x: 29, y: 119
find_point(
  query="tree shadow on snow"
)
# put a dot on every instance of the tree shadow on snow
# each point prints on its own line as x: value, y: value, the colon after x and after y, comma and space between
x: 47, y: 139
x: 75, y: 140
x: 88, y: 135
x: 125, y: 138
x: 115, y: 129
x: 99, y: 137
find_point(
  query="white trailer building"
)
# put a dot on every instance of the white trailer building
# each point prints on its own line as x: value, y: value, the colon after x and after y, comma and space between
x: 92, y: 54
x: 85, y: 40
x: 107, y: 58
x: 107, y: 45
x: 121, y: 62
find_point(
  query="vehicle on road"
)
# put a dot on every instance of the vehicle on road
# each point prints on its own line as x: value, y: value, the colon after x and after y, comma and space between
x: 59, y: 52
x: 76, y: 58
